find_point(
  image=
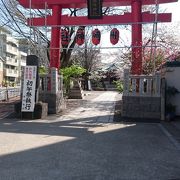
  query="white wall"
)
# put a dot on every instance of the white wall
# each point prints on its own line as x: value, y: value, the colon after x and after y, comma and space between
x: 1, y: 72
x: 172, y: 76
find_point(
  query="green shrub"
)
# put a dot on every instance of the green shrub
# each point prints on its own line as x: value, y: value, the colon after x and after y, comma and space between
x: 73, y: 71
x: 119, y: 85
x: 171, y: 91
x: 42, y: 70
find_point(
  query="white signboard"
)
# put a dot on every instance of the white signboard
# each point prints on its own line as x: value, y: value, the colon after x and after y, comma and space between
x: 29, y: 86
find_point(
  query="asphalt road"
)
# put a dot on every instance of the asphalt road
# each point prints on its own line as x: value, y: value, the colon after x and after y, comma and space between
x: 85, y: 144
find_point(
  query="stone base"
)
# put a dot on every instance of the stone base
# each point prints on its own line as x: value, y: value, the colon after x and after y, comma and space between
x: 40, y: 111
x: 75, y: 94
x: 56, y: 102
x: 141, y: 107
x: 76, y: 91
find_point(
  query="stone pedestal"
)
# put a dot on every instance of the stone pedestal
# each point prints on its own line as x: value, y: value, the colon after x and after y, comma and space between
x: 51, y: 91
x: 141, y: 107
x: 55, y: 102
x: 40, y: 111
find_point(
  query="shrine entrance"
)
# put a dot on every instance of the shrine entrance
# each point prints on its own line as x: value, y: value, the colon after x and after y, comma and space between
x: 135, y: 18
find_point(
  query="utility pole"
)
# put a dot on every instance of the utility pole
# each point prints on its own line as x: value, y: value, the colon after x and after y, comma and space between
x: 86, y: 65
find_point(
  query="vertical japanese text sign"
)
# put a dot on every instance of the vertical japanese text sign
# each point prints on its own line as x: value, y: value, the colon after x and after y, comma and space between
x: 28, y: 97
x: 94, y: 9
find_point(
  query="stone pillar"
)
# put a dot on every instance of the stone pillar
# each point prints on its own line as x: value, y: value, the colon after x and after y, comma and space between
x: 163, y: 89
x: 54, y: 80
x: 134, y: 82
x: 126, y: 82
x: 158, y: 83
x: 141, y: 86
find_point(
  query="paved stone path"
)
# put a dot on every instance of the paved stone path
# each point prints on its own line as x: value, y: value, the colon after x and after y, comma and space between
x: 99, y: 109
x: 86, y: 145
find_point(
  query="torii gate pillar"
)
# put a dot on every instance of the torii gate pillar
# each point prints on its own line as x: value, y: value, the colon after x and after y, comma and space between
x: 55, y: 38
x: 136, y: 8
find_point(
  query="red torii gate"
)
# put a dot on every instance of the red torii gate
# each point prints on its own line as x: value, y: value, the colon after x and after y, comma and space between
x: 136, y: 18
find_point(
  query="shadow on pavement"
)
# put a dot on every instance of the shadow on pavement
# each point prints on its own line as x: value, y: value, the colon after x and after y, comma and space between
x: 84, y: 150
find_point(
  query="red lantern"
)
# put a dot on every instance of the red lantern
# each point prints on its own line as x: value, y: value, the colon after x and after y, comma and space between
x: 65, y: 37
x: 96, y: 37
x: 114, y: 36
x: 80, y: 36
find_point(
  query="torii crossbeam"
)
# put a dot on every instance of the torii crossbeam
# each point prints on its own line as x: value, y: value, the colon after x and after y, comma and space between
x: 136, y: 18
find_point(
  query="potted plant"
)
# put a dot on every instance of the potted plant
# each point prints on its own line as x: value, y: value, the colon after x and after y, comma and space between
x: 170, y: 109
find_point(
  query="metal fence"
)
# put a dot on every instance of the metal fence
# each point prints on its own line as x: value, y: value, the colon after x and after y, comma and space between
x: 8, y: 93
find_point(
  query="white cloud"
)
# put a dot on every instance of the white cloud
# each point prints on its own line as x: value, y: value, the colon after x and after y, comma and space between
x: 174, y: 9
